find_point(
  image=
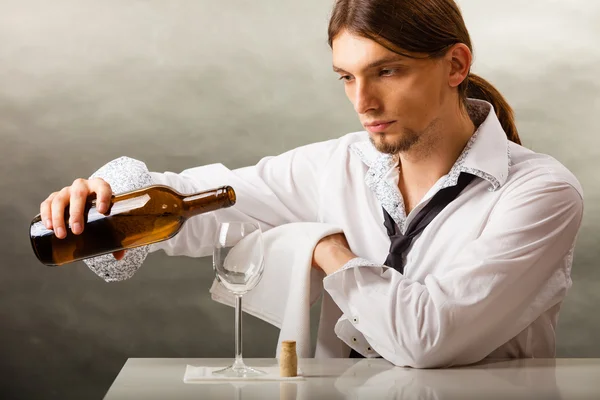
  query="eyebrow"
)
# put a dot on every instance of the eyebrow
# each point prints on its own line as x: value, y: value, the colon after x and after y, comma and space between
x: 374, y: 64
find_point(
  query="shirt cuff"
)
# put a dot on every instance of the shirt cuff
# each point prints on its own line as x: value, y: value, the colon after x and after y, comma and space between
x: 354, y: 263
x: 343, y: 289
x: 359, y: 262
x: 123, y: 175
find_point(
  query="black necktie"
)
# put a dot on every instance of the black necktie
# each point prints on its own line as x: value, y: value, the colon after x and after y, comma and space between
x: 401, y: 242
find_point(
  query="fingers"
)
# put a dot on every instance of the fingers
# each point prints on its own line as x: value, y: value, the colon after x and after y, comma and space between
x: 103, y: 193
x: 46, y: 210
x: 52, y: 210
x: 79, y: 192
x: 58, y: 205
x: 119, y: 254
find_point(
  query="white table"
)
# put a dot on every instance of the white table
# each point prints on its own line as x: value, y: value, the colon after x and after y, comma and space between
x: 162, y: 378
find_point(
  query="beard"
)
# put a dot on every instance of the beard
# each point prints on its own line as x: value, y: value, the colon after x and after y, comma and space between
x: 408, y: 140
x: 400, y: 145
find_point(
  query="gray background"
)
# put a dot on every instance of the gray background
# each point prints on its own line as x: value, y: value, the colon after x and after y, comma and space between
x: 185, y: 83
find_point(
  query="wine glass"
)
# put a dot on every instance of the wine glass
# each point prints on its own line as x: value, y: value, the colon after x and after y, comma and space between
x: 238, y: 261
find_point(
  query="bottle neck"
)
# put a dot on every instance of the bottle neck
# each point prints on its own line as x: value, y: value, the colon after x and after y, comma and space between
x: 211, y: 200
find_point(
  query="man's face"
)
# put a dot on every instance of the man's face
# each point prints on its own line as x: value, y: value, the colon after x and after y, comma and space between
x: 405, y: 95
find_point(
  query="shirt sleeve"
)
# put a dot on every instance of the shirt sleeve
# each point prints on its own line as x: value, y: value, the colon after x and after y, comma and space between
x: 277, y: 190
x: 495, y: 287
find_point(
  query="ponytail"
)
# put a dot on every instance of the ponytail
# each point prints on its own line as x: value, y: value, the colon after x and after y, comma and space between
x: 479, y: 88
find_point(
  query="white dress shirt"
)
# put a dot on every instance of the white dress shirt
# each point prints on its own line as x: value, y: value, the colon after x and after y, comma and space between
x: 485, y: 279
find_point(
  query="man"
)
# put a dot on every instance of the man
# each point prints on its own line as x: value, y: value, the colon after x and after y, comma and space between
x: 457, y: 242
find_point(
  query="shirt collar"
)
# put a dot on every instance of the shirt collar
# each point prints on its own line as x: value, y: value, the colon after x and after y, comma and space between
x: 485, y: 155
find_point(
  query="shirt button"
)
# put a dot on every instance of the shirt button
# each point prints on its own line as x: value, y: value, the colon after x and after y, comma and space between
x: 354, y: 340
x: 355, y: 320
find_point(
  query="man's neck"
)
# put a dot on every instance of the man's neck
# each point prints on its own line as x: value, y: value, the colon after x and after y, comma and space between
x: 433, y: 156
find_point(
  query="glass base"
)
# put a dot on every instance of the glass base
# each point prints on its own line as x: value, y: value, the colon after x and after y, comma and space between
x: 239, y: 370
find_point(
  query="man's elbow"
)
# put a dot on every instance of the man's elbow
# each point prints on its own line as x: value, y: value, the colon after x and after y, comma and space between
x: 421, y: 357
x: 419, y: 361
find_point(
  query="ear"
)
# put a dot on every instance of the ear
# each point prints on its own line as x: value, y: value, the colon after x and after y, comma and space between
x: 459, y: 58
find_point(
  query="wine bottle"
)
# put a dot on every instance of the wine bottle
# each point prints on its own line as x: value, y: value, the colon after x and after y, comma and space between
x: 140, y: 217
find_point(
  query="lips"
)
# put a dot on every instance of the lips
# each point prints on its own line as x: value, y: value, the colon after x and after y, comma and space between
x: 378, y: 126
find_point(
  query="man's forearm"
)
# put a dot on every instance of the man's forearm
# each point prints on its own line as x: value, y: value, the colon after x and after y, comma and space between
x: 333, y: 257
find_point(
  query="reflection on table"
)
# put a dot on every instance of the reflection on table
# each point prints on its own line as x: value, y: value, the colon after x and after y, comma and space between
x: 369, y: 379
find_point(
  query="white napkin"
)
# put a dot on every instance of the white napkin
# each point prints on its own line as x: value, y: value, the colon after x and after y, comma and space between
x: 289, y: 286
x: 205, y: 375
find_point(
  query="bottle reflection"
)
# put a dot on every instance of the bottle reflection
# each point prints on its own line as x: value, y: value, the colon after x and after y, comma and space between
x: 529, y: 379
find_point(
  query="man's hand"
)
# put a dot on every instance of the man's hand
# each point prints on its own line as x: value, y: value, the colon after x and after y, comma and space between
x: 331, y: 253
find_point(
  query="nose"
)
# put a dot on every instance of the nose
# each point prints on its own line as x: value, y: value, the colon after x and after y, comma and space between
x: 365, y: 99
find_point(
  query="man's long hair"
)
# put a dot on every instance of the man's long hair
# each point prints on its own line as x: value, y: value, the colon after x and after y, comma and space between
x: 427, y: 27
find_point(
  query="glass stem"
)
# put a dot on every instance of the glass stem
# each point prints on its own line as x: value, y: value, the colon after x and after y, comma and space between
x: 238, y: 331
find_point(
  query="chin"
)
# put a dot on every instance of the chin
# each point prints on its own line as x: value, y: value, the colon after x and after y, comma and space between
x: 392, y: 142
x: 383, y: 142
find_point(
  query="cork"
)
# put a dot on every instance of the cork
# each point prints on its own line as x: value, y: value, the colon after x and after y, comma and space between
x: 288, y: 360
